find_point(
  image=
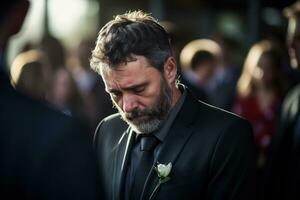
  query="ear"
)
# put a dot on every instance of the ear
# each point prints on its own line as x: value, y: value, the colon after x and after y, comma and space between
x: 170, y: 70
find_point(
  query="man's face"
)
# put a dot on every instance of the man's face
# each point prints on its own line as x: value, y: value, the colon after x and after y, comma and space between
x: 140, y: 92
x: 293, y: 41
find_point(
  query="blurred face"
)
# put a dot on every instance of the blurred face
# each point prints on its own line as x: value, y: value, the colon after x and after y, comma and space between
x: 62, y: 87
x: 265, y: 71
x: 293, y: 41
x: 140, y: 92
x: 205, y: 71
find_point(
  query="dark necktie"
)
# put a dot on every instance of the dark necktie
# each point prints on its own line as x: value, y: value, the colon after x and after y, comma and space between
x: 147, y: 146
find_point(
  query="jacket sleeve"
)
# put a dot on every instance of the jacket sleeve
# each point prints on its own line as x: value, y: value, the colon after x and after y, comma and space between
x: 232, y: 169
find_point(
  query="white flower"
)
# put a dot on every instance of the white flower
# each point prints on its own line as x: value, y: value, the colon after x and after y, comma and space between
x: 163, y: 171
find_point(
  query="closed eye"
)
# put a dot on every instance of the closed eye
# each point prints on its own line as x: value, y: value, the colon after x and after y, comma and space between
x: 138, y: 89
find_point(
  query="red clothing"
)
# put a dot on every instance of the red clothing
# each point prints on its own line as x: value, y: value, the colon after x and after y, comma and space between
x: 263, y: 121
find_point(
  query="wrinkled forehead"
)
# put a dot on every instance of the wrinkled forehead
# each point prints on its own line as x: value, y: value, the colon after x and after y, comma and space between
x: 133, y: 63
x: 112, y: 74
x: 128, y: 73
x: 107, y: 72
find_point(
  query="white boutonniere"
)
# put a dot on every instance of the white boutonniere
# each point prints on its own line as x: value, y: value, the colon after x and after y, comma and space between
x: 163, y: 172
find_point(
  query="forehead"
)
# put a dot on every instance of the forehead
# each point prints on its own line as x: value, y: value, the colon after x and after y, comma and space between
x: 128, y: 74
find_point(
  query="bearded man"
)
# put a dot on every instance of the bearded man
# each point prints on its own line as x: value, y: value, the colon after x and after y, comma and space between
x: 163, y: 143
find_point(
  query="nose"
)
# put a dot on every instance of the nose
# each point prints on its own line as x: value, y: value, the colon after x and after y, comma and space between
x: 129, y: 103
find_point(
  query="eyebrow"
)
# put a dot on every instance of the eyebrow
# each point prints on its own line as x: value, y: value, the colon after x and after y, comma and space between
x: 128, y: 88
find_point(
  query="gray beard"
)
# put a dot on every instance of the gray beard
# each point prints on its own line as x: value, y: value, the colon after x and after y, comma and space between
x: 145, y: 127
x: 160, y: 112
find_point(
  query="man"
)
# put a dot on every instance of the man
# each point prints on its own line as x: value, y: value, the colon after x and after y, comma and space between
x: 43, y: 153
x: 163, y: 143
x: 282, y: 175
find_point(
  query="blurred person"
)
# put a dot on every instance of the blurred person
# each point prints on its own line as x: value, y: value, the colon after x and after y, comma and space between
x: 199, y: 60
x: 96, y: 102
x: 228, y: 72
x: 64, y: 93
x: 163, y: 143
x: 178, y: 39
x: 292, y: 41
x: 31, y: 74
x: 44, y: 155
x: 282, y: 176
x: 260, y: 91
x: 54, y: 50
x: 179, y: 36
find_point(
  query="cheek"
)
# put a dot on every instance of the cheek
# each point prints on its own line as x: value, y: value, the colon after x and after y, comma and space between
x: 147, y: 102
x: 152, y: 96
x: 142, y: 102
x: 153, y: 100
x: 150, y: 99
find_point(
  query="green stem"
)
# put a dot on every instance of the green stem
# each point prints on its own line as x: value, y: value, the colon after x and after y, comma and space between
x: 155, y: 189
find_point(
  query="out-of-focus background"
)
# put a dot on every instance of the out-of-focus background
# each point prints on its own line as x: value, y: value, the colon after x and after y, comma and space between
x: 72, y: 21
x: 49, y: 58
x: 65, y: 32
x: 217, y: 44
x: 230, y: 53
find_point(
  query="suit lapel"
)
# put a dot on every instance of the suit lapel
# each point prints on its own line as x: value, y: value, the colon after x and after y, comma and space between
x: 121, y: 159
x: 174, y: 142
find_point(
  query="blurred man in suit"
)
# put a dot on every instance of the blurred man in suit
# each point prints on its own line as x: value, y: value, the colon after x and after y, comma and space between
x: 282, y: 175
x: 43, y: 154
x: 204, y: 152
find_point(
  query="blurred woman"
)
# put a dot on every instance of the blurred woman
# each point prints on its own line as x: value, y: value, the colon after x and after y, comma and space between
x: 31, y: 74
x: 260, y: 90
x: 64, y: 93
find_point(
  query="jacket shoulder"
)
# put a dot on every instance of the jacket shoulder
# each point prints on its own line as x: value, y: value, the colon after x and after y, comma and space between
x: 218, y: 115
x: 111, y: 128
x: 212, y: 123
x: 111, y: 123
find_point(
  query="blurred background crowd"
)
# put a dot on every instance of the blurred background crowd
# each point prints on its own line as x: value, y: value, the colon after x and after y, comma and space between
x: 232, y: 54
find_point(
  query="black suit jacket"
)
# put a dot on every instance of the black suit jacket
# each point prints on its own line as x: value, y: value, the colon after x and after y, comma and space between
x: 282, y: 174
x: 44, y: 155
x: 212, y: 152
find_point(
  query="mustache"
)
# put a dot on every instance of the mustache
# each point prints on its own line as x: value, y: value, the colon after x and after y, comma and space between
x: 138, y: 113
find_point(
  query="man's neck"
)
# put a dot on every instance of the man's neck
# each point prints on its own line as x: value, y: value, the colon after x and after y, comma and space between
x: 176, y: 95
